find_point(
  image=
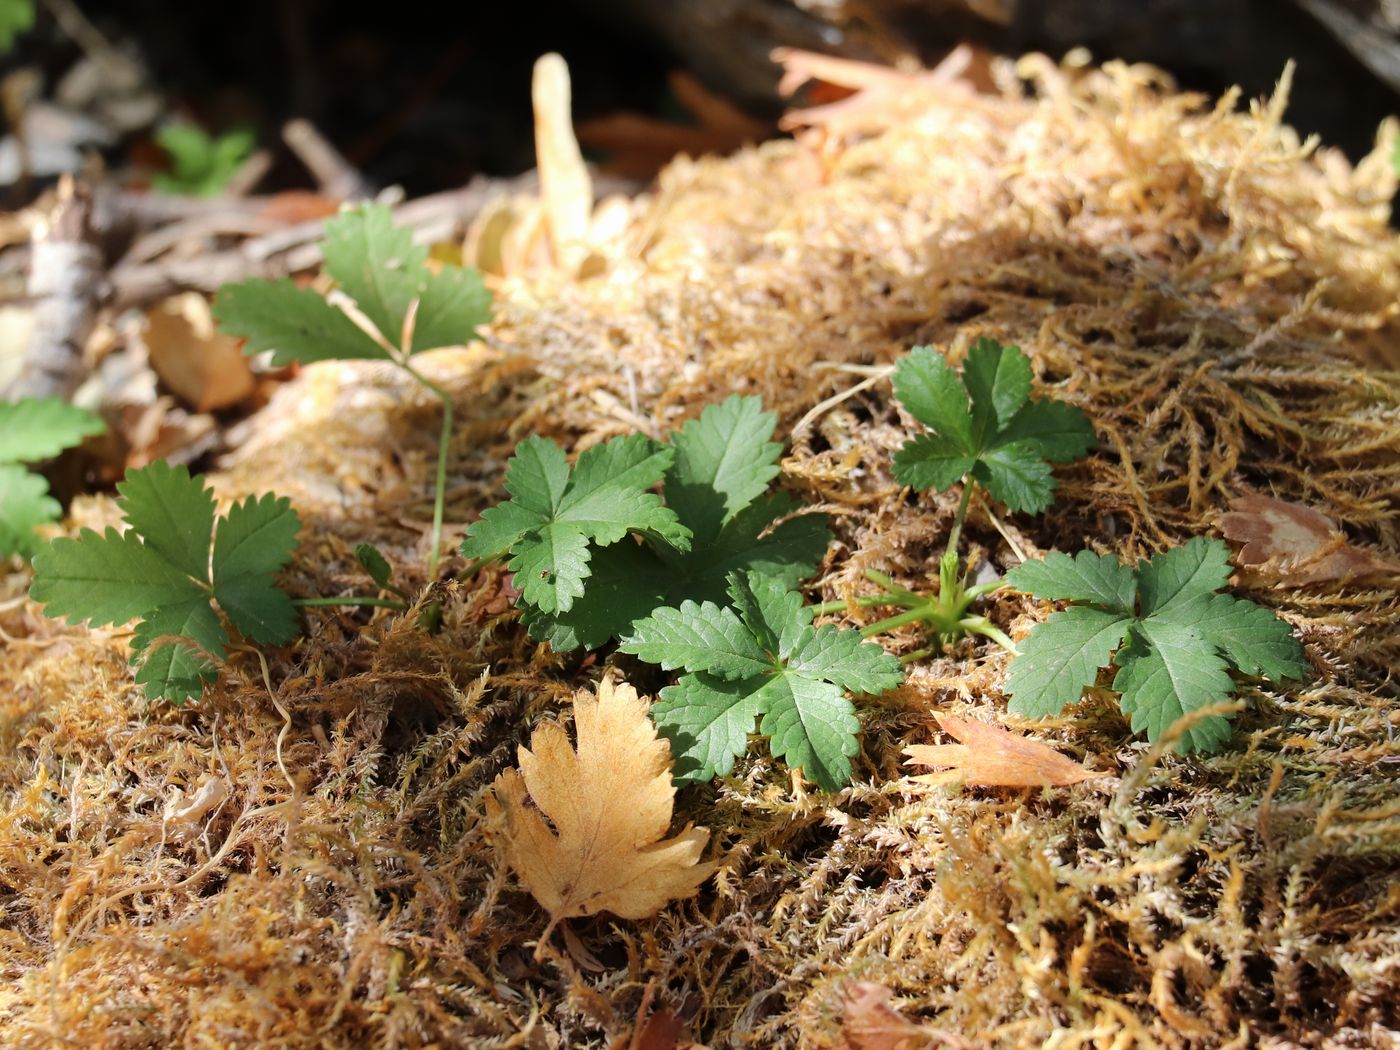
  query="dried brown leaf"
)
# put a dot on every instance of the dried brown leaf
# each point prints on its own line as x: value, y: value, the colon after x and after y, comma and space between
x: 991, y: 756
x: 203, y: 367
x: 869, y: 1022
x: 610, y: 803
x: 1293, y: 543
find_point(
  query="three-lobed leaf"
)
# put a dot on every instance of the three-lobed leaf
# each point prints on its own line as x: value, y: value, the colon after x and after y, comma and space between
x: 1166, y: 627
x: 760, y: 659
x: 33, y: 429
x: 984, y: 423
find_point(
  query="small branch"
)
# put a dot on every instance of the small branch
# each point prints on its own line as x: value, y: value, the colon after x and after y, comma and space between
x: 336, y: 177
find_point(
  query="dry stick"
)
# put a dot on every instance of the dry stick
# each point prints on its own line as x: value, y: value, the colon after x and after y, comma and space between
x: 335, y: 176
x: 65, y: 279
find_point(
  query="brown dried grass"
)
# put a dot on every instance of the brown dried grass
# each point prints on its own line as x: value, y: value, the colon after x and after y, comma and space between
x: 1221, y: 299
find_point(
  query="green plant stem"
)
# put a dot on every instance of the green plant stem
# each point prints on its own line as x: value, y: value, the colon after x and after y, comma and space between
x: 444, y: 440
x: 349, y: 599
x: 955, y: 533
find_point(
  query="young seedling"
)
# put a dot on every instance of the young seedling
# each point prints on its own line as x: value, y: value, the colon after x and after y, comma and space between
x: 1176, y: 638
x: 760, y: 658
x: 201, y: 165
x: 171, y: 567
x: 985, y: 430
x: 409, y: 308
x: 716, y: 473
x: 30, y: 431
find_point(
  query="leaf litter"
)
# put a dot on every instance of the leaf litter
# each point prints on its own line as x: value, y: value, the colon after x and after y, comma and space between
x: 1219, y: 299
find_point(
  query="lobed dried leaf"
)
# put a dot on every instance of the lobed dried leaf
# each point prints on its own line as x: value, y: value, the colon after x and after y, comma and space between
x: 1291, y: 542
x: 992, y: 756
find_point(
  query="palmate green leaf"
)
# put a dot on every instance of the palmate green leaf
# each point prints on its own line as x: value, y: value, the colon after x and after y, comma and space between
x: 202, y: 164
x: 377, y: 264
x: 159, y: 572
x: 723, y: 462
x: 554, y: 513
x: 1061, y: 658
x: 296, y: 324
x: 1099, y: 579
x: 985, y: 424
x: 1167, y: 671
x: 40, y: 428
x: 1183, y: 638
x: 765, y: 659
x: 455, y: 302
x: 24, y: 503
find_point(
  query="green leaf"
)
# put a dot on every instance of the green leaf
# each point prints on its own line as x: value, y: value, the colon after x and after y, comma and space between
x: 455, y: 302
x: 841, y: 658
x: 16, y: 17
x: 374, y: 563
x: 932, y: 393
x: 1250, y: 636
x: 251, y: 545
x: 699, y: 638
x: 932, y: 461
x: 1017, y: 476
x: 626, y: 583
x: 296, y: 324
x: 1059, y: 432
x: 377, y: 264
x: 24, y: 503
x: 173, y: 514
x: 1183, y: 574
x: 998, y: 380
x: 1165, y: 672
x: 178, y: 644
x: 1098, y: 579
x: 202, y: 165
x: 607, y: 498
x: 1061, y: 657
x: 106, y: 579
x: 773, y: 612
x: 723, y: 462
x: 40, y: 428
x: 812, y: 726
x: 708, y: 721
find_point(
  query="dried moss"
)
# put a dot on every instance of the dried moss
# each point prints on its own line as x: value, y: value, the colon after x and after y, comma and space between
x: 1221, y: 300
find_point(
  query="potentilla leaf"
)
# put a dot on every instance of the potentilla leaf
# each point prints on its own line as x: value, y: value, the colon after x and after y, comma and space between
x: 842, y: 658
x: 455, y: 303
x: 376, y: 264
x: 158, y: 572
x: 812, y: 726
x: 1061, y: 658
x: 703, y: 637
x: 723, y: 462
x: 39, y: 428
x: 985, y: 424
x: 24, y: 503
x: 1099, y: 579
x: 1183, y: 638
x: 296, y: 324
x: 1167, y: 671
x: 708, y: 721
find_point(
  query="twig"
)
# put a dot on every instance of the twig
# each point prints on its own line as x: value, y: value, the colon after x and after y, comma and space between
x: 336, y: 177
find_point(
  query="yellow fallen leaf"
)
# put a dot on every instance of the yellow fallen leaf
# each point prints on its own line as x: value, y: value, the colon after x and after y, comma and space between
x: 990, y: 756
x: 610, y: 803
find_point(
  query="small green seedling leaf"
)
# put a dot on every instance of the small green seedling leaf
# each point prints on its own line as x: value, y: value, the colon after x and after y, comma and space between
x: 717, y: 486
x: 985, y: 424
x: 201, y: 165
x: 169, y: 568
x: 16, y: 17
x: 1164, y: 626
x: 33, y: 430
x: 374, y: 563
x: 761, y: 658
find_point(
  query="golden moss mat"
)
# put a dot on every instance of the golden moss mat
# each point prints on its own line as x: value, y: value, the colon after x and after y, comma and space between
x: 308, y: 866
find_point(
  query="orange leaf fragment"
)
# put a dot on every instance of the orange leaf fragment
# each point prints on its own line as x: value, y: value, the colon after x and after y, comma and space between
x: 610, y: 803
x: 991, y: 756
x: 1293, y: 543
x: 869, y: 1022
x: 205, y: 368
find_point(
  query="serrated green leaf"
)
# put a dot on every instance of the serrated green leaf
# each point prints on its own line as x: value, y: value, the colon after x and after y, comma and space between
x: 1061, y: 657
x: 932, y: 393
x: 24, y: 503
x: 701, y: 637
x: 377, y: 264
x: 932, y: 461
x: 173, y: 513
x: 374, y: 563
x: 455, y: 302
x: 550, y: 564
x: 202, y: 165
x: 811, y: 726
x: 1059, y: 432
x: 626, y: 582
x: 1251, y: 637
x: 251, y: 544
x: 177, y: 644
x: 791, y: 551
x: 998, y: 381
x: 840, y: 657
x: 40, y: 428
x: 607, y: 496
x: 1017, y: 476
x: 295, y: 324
x: 261, y: 612
x: 1180, y: 575
x: 106, y: 579
x: 1166, y: 671
x: 723, y: 462
x: 1099, y: 579
x: 708, y: 721
x: 773, y: 612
